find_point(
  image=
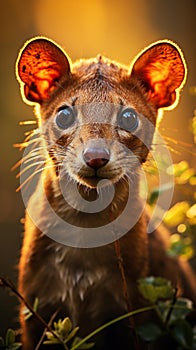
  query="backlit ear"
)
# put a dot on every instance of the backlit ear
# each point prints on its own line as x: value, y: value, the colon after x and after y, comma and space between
x: 162, y: 70
x: 40, y: 65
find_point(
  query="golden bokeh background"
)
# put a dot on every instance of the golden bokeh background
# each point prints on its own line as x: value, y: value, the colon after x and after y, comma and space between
x: 118, y: 29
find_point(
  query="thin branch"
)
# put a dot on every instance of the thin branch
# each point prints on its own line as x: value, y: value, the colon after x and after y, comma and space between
x: 122, y: 272
x: 45, y: 330
x: 5, y: 282
x: 171, y: 307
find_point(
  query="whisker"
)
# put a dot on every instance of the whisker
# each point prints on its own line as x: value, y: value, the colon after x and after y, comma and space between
x: 16, y: 165
x: 29, y: 167
x: 28, y: 179
x: 34, y: 151
x: 33, y: 154
x: 32, y: 136
x: 60, y: 85
x: 180, y: 144
x: 28, y: 122
x: 27, y: 143
x: 32, y: 175
x: 32, y: 158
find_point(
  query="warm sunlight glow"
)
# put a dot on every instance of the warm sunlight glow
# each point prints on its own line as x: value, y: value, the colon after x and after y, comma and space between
x: 86, y: 28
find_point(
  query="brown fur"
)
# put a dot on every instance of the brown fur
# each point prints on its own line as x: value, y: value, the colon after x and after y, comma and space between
x: 85, y: 284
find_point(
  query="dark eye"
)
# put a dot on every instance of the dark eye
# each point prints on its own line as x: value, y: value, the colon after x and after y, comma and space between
x: 128, y: 119
x: 65, y: 118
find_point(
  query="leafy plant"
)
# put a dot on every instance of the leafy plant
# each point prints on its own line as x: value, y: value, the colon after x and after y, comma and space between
x: 171, y: 314
x: 154, y: 289
x: 65, y: 331
x: 61, y: 334
x: 181, y: 217
x: 9, y: 343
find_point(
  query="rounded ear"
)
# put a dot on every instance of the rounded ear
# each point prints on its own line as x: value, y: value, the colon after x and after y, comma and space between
x: 162, y: 70
x: 40, y: 65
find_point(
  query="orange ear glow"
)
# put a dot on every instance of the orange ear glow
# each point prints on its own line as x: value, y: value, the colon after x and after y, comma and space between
x: 41, y: 64
x: 162, y: 70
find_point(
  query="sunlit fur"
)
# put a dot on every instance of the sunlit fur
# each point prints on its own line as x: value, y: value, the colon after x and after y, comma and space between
x: 86, y: 284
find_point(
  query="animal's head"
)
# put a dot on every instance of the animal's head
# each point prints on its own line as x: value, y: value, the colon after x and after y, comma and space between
x: 98, y: 117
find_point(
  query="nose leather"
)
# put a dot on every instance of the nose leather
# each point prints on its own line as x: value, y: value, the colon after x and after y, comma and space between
x: 96, y: 157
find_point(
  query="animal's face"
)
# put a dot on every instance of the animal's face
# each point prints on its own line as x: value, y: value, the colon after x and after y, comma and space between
x: 98, y: 118
x: 100, y: 138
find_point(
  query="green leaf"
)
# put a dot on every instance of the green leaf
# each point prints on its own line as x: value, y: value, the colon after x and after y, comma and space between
x: 180, y: 246
x: 15, y: 346
x: 163, y: 308
x: 182, y: 333
x: 87, y: 346
x: 155, y: 288
x: 52, y: 341
x: 149, y: 331
x: 35, y: 304
x: 178, y: 169
x: 153, y: 196
x: 10, y: 337
x: 177, y: 214
x: 181, y: 309
x: 56, y: 324
x: 157, y: 191
x: 27, y: 313
x: 49, y: 335
x: 72, y: 334
x: 66, y: 326
x: 185, y: 177
x: 2, y: 343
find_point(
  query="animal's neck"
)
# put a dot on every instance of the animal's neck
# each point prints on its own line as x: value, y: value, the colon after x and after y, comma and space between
x: 48, y: 205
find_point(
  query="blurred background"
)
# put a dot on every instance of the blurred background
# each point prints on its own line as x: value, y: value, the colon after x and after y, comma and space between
x: 118, y: 29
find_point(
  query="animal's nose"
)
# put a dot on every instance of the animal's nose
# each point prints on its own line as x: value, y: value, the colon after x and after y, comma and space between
x: 96, y: 157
